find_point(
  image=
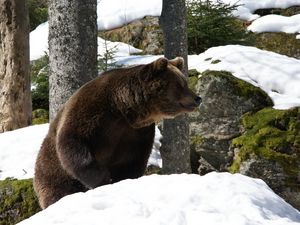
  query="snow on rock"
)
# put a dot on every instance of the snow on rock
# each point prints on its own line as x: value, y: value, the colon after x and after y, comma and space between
x: 276, y: 23
x: 38, y: 41
x: 278, y: 75
x: 39, y: 44
x: 246, y: 8
x: 216, y: 198
x: 116, y: 13
x: 120, y: 48
x: 19, y: 149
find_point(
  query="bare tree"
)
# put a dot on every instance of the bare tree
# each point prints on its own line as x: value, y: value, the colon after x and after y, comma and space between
x: 72, y: 48
x: 175, y: 150
x: 15, y: 98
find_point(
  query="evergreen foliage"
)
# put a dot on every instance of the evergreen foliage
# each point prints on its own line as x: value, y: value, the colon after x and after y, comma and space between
x: 106, y: 60
x: 40, y: 84
x: 38, y: 12
x: 213, y: 24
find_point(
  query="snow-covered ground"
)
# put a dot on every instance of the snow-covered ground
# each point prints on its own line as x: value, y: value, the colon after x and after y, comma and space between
x: 246, y: 8
x: 278, y: 75
x: 216, y: 198
x: 276, y: 23
x: 213, y: 199
x: 115, y: 13
x: 19, y: 149
x: 39, y: 44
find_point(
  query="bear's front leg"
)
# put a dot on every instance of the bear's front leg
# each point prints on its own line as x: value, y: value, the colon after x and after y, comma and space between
x: 78, y: 161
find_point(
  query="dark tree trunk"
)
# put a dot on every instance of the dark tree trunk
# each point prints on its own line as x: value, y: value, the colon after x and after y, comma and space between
x: 15, y: 97
x: 175, y: 150
x: 72, y: 48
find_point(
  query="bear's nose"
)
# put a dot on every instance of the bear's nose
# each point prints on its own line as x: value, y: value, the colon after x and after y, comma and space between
x: 198, y: 100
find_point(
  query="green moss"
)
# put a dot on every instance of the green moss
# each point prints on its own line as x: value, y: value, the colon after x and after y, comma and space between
x: 152, y: 170
x: 215, y: 61
x: 241, y: 88
x: 17, y: 200
x: 196, y: 140
x: 271, y: 134
x: 281, y: 43
x: 40, y: 116
x: 193, y: 79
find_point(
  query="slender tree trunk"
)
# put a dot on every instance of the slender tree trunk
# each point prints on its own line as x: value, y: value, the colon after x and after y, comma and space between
x: 15, y: 97
x: 175, y: 150
x: 72, y: 48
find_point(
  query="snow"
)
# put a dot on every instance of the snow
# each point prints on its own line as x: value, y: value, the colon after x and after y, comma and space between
x: 19, y: 149
x: 216, y: 198
x: 38, y: 41
x: 276, y: 23
x: 246, y: 8
x: 39, y: 44
x: 278, y: 75
x: 116, y: 13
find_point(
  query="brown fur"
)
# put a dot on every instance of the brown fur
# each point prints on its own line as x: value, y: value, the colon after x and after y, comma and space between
x: 105, y: 131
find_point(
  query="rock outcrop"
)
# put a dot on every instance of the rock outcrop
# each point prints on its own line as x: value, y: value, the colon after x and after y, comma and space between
x: 269, y: 149
x: 217, y: 122
x: 236, y: 130
x: 17, y: 201
x: 144, y: 34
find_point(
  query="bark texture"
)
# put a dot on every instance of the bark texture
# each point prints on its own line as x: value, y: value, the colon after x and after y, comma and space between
x: 72, y: 48
x: 15, y: 97
x: 175, y: 150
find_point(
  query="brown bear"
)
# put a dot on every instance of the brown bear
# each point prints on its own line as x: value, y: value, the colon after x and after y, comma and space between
x: 104, y: 133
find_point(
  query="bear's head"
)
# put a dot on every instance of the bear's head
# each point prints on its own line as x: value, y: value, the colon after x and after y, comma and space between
x: 166, y: 91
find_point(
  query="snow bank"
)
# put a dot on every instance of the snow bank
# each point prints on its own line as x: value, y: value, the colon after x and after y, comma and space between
x: 276, y: 23
x: 19, y: 149
x: 39, y: 44
x: 216, y: 198
x: 246, y: 8
x: 38, y: 41
x: 278, y: 75
x: 116, y: 13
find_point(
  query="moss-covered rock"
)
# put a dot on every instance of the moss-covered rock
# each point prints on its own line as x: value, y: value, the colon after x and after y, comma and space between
x: 282, y: 43
x: 144, y: 34
x: 17, y: 201
x: 40, y: 116
x: 270, y: 149
x: 283, y: 12
x: 217, y: 121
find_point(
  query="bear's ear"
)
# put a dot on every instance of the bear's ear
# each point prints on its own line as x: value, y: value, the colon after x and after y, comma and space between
x: 178, y: 62
x: 160, y: 64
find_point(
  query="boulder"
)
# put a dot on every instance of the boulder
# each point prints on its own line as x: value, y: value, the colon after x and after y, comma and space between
x: 217, y: 121
x: 269, y: 149
x: 144, y: 34
x: 17, y: 201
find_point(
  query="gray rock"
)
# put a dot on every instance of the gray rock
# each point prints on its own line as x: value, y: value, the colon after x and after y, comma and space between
x: 144, y: 34
x: 217, y: 122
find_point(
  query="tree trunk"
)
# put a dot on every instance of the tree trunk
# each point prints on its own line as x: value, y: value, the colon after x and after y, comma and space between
x: 15, y: 97
x: 72, y: 48
x: 175, y: 149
